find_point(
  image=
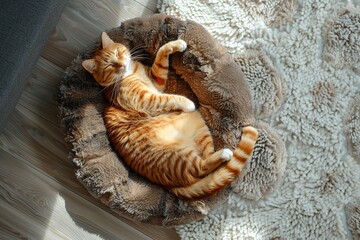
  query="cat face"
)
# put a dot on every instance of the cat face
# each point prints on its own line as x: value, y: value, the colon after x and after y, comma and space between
x: 110, y: 63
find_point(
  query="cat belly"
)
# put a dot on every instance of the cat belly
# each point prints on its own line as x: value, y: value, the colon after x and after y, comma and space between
x: 180, y: 128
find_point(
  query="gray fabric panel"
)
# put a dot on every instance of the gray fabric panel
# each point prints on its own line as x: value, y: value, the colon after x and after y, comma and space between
x: 25, y: 27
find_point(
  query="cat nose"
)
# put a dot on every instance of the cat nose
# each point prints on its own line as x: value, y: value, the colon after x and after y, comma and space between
x: 119, y: 67
x: 116, y: 64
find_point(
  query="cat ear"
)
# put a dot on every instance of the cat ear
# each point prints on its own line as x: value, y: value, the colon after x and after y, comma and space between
x: 106, y: 40
x: 89, y: 65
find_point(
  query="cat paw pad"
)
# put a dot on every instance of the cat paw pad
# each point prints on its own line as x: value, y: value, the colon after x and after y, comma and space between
x: 226, y: 154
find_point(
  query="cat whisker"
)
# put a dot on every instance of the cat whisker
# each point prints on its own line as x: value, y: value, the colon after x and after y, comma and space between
x: 139, y: 53
x: 112, y: 83
x: 113, y: 95
x: 136, y: 48
x: 104, y: 88
x: 114, y: 90
x: 115, y: 83
x: 140, y: 58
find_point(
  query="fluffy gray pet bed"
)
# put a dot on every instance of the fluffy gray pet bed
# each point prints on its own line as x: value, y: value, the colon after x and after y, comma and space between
x: 205, y: 73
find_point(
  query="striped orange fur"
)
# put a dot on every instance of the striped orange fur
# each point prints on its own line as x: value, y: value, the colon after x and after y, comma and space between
x: 161, y: 136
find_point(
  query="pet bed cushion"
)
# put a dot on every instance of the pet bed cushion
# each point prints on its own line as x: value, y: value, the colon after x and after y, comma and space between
x: 205, y: 73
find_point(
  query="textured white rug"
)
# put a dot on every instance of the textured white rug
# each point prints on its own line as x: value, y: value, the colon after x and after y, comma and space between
x: 302, y: 60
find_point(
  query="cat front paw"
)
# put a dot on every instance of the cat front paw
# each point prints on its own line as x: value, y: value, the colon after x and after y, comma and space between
x: 226, y: 154
x: 181, y: 45
x: 176, y: 46
x: 189, y: 106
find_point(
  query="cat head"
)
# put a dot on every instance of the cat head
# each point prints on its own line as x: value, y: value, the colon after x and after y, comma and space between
x: 110, y: 63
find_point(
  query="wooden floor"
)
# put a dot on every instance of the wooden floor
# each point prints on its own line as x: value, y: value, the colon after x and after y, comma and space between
x: 39, y: 195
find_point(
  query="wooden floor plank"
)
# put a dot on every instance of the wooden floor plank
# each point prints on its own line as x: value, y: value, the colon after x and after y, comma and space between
x: 7, y: 232
x: 49, y: 211
x: 41, y: 94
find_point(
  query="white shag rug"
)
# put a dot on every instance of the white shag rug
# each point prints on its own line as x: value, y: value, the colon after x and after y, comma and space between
x: 314, y: 47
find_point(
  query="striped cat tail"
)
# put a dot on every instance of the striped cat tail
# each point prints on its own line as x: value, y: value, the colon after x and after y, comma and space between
x: 225, y: 174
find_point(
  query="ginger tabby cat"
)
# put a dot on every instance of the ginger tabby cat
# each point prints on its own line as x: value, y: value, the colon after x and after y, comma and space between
x: 161, y: 136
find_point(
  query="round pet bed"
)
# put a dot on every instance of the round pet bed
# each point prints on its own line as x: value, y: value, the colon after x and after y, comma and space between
x: 205, y: 73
